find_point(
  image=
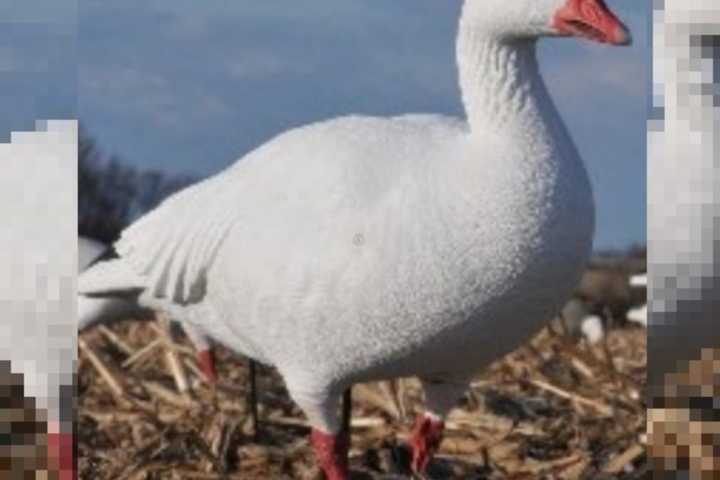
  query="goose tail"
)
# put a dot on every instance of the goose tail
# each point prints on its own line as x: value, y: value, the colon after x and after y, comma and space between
x: 109, y: 291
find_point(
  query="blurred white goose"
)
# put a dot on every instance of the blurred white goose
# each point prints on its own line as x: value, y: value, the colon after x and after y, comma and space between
x: 365, y: 248
x: 638, y: 314
x: 684, y: 195
x: 37, y: 331
x: 103, y: 309
x: 578, y: 319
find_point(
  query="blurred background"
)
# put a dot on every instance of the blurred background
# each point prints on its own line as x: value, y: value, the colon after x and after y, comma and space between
x: 38, y: 63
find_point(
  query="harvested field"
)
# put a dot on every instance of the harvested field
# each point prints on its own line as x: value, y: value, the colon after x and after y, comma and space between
x: 554, y: 409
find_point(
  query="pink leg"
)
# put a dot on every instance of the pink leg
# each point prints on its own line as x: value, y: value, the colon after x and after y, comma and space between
x: 332, y: 453
x: 206, y: 361
x: 62, y: 455
x: 425, y: 439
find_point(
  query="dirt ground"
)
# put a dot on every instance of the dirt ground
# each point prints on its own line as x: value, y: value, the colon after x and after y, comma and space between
x: 554, y: 409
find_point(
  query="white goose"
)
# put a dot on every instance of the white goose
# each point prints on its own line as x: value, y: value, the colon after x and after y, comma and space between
x: 363, y: 248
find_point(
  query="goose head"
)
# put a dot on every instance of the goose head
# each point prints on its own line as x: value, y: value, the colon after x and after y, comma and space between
x: 531, y: 19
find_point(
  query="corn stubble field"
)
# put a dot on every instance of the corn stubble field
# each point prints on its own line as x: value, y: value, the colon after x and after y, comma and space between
x: 554, y: 409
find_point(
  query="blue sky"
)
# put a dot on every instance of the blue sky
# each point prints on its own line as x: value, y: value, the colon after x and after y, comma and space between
x: 38, y: 63
x: 189, y: 87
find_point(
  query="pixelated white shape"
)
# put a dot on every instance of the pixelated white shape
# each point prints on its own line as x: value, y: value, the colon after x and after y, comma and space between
x: 38, y: 258
x: 683, y: 178
x: 684, y: 184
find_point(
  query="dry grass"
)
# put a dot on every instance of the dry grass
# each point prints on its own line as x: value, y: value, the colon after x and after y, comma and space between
x: 551, y: 410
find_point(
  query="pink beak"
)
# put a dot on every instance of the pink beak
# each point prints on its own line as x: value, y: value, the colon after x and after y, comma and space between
x: 591, y: 19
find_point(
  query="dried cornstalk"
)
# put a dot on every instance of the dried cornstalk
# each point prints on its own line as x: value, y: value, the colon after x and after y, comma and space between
x: 166, y: 395
x: 598, y: 406
x: 171, y: 355
x: 617, y: 464
x: 142, y: 353
x: 381, y: 399
x: 115, y: 340
x: 104, y: 372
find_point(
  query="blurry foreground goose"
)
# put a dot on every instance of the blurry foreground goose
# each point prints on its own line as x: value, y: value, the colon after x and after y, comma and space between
x: 103, y: 309
x: 365, y: 248
x: 37, y: 306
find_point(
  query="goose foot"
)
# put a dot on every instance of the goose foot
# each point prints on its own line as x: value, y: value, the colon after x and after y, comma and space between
x: 425, y: 439
x: 206, y: 362
x: 331, y: 451
x: 61, y: 455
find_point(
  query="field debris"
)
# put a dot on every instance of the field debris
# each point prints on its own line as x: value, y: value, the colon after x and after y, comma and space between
x: 556, y: 408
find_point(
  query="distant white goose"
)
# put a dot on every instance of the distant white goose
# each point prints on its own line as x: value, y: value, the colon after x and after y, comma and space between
x: 638, y: 314
x: 367, y: 248
x: 577, y: 318
x: 103, y: 309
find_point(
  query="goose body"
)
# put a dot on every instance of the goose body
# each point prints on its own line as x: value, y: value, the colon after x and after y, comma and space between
x: 365, y: 248
x: 421, y: 245
x: 428, y: 244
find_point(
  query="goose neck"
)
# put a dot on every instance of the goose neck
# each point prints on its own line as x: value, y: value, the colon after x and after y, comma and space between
x: 500, y: 80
